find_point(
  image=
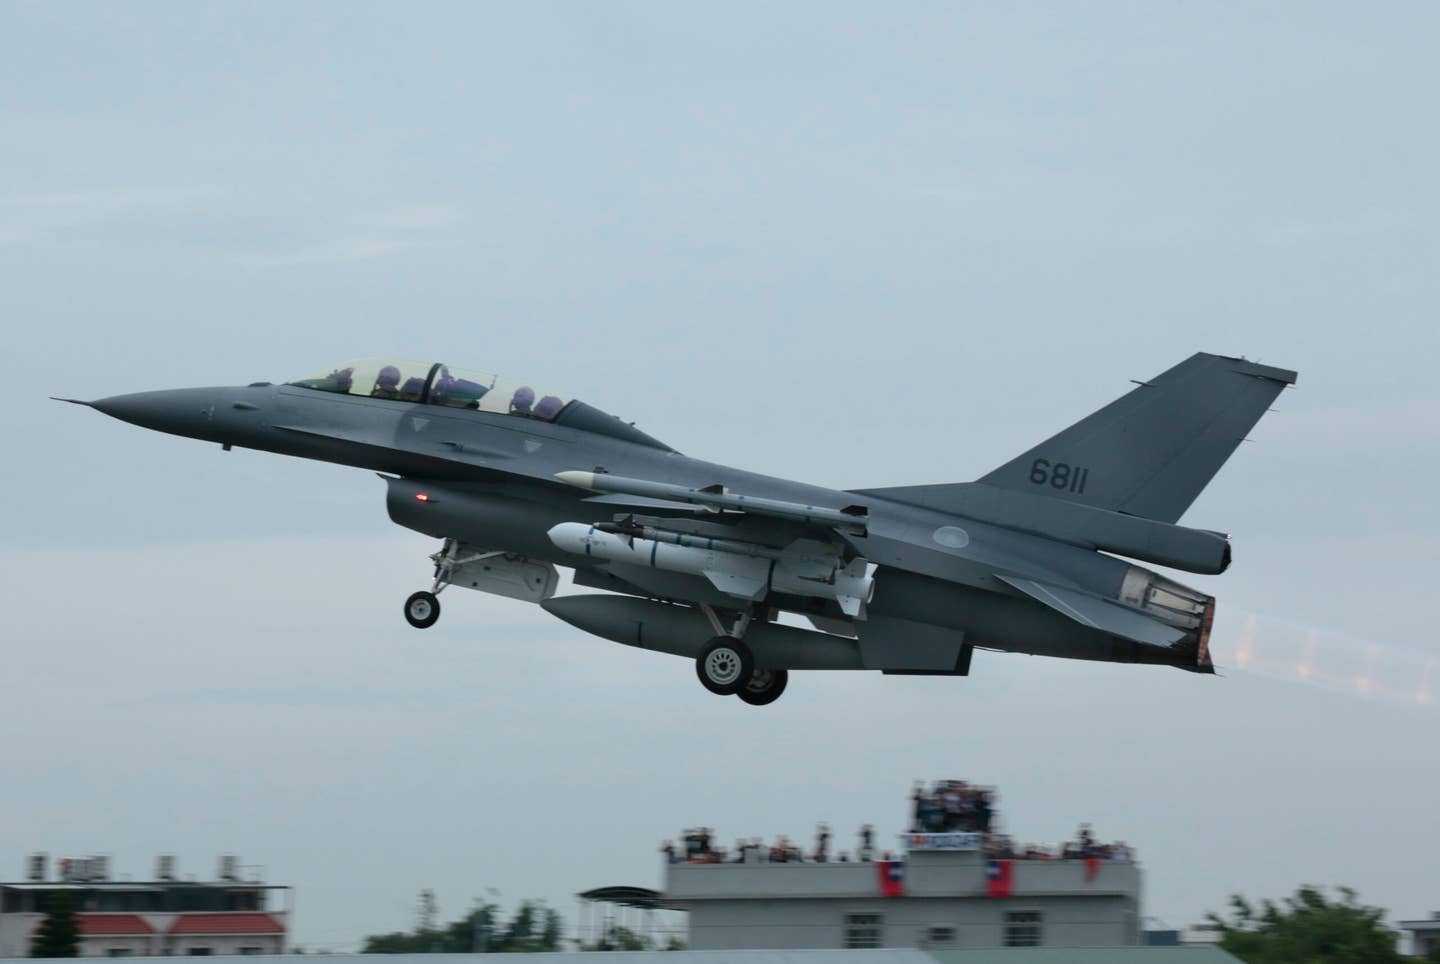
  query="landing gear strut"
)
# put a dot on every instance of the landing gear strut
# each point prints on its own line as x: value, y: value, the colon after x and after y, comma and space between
x: 422, y: 609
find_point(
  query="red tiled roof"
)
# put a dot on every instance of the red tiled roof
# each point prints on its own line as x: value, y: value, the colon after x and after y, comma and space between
x: 113, y: 925
x: 234, y: 922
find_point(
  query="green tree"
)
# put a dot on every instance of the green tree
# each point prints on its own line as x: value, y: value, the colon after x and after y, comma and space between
x: 521, y: 930
x: 1307, y: 928
x: 553, y: 932
x: 58, y: 934
x: 617, y: 938
x: 534, y: 927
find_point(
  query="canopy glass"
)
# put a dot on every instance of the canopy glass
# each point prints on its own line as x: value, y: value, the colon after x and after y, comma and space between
x: 435, y: 384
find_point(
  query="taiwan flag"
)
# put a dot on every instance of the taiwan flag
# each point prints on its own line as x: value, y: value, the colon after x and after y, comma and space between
x: 1000, y: 878
x: 892, y: 877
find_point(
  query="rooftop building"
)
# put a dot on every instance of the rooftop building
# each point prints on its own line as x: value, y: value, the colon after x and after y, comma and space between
x: 1424, y: 934
x: 954, y: 880
x: 236, y: 914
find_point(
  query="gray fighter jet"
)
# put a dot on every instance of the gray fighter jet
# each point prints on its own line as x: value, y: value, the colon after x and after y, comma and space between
x: 699, y: 560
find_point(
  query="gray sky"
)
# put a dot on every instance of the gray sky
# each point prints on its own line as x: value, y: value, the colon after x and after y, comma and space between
x: 858, y: 245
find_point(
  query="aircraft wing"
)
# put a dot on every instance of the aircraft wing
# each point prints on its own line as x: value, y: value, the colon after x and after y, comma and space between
x: 1101, y: 614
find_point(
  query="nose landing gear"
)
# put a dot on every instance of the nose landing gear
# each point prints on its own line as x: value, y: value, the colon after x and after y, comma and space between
x: 487, y: 570
x: 422, y: 609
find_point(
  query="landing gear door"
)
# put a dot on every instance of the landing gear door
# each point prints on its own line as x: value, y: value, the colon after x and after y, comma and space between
x: 502, y: 575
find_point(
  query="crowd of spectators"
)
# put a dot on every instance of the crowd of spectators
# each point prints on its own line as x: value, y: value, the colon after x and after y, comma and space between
x: 946, y: 806
x: 1083, y: 847
x: 951, y: 805
x: 698, y: 846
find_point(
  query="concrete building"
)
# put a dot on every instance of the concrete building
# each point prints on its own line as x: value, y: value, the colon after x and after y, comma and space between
x: 1424, y: 934
x: 992, y: 955
x: 236, y: 914
x: 942, y: 899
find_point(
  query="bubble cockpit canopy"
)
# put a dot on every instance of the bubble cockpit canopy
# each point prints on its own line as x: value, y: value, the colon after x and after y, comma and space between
x: 428, y: 383
x: 436, y: 384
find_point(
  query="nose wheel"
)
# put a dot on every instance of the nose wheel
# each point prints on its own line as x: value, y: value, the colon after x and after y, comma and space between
x: 422, y: 609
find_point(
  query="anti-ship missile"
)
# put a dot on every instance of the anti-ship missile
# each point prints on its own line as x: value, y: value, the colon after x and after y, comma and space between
x: 739, y: 569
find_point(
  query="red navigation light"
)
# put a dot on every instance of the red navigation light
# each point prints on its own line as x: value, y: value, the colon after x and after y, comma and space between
x: 421, y: 497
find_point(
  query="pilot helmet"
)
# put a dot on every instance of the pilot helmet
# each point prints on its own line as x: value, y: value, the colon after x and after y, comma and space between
x: 522, y: 400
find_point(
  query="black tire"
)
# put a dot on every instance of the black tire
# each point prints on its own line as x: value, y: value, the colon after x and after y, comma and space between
x: 723, y: 665
x: 422, y: 609
x: 764, y: 686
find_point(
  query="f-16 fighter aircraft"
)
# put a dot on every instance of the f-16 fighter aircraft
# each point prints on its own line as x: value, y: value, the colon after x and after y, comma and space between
x: 698, y: 559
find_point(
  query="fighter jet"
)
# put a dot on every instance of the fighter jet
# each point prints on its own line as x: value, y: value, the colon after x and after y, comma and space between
x: 700, y: 560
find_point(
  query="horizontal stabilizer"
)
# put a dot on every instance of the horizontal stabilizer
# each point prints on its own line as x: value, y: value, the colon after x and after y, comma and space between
x: 1096, y: 613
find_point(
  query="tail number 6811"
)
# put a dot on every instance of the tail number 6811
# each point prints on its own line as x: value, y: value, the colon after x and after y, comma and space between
x: 1059, y: 475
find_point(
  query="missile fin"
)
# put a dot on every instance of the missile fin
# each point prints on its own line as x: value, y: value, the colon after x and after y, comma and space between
x: 746, y: 587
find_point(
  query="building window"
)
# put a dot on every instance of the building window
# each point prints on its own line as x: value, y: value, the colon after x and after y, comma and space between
x: 119, y: 952
x: 940, y: 937
x: 199, y: 952
x: 1022, y: 928
x: 251, y: 949
x: 863, y: 930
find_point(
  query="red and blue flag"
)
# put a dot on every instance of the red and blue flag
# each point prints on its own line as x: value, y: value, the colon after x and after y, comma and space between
x: 1000, y: 878
x: 892, y: 877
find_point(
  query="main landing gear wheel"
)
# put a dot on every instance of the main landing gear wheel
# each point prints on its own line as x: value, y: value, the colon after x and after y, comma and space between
x: 422, y: 609
x: 764, y: 686
x: 724, y: 664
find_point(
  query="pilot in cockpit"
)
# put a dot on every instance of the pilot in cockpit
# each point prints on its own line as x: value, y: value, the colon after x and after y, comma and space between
x: 387, y: 383
x: 522, y: 401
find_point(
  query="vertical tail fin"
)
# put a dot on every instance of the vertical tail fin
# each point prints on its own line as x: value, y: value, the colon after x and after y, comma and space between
x: 1151, y: 452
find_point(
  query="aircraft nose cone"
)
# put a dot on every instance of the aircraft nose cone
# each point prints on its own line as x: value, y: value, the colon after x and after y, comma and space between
x: 181, y: 411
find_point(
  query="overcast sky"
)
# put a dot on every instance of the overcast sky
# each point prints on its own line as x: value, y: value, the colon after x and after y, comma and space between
x: 858, y: 245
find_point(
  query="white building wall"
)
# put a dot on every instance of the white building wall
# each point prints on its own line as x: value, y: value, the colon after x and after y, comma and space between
x: 15, y: 931
x: 15, y: 934
x: 227, y: 944
x: 794, y: 924
x: 137, y: 946
x: 794, y: 906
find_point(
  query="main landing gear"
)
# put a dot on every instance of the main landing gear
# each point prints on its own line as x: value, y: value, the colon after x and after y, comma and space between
x: 422, y: 609
x: 764, y: 686
x: 726, y: 666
